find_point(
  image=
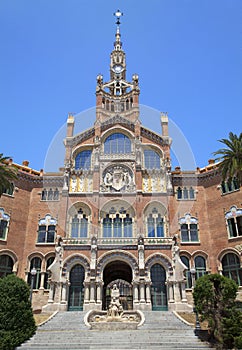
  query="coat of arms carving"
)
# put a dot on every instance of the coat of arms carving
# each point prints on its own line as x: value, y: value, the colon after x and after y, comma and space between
x: 118, y: 178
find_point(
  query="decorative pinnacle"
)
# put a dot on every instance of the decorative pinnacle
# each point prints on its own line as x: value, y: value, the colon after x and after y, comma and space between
x: 118, y: 14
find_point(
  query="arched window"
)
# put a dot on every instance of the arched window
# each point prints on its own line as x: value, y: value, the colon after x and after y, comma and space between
x: 185, y: 193
x: 56, y: 195
x: 191, y: 193
x: 127, y: 104
x: 200, y: 266
x: 6, y: 265
x: 117, y: 143
x: 186, y: 262
x: 234, y: 222
x: 44, y: 195
x: 155, y: 224
x: 50, y: 195
x: 76, y: 289
x: 189, y: 228
x: 117, y: 224
x: 35, y: 263
x: 107, y: 226
x: 4, y: 222
x: 158, y: 287
x: 48, y: 263
x: 151, y: 159
x: 83, y: 160
x: 47, y: 229
x: 9, y: 191
x: 230, y: 185
x: 231, y: 268
x: 179, y: 193
x: 80, y: 223
x: 154, y: 216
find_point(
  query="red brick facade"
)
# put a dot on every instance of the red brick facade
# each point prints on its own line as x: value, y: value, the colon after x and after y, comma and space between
x: 135, y: 191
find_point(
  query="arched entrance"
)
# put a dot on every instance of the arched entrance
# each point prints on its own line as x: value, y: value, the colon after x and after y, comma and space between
x: 158, y: 287
x: 120, y: 273
x: 76, y: 290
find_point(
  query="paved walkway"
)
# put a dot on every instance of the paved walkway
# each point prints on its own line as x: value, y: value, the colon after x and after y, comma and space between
x: 161, y: 330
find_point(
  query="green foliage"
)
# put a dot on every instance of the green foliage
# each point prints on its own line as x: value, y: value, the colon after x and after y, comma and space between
x: 214, y: 298
x: 8, y: 173
x: 231, y: 157
x: 16, y: 318
x: 231, y: 326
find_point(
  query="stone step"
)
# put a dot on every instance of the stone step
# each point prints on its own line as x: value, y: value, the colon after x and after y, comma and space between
x: 161, y: 330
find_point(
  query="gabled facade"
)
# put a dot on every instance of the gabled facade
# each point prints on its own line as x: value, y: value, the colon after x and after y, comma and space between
x: 117, y: 213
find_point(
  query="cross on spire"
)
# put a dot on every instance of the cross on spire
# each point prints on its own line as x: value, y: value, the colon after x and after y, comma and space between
x: 118, y: 14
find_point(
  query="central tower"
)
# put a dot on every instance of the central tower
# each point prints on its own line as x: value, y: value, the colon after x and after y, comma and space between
x: 117, y: 95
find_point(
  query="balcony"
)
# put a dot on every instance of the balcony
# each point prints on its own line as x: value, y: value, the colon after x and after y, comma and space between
x: 119, y: 242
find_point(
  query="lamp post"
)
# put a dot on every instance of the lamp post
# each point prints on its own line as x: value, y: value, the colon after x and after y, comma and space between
x: 33, y: 273
x: 197, y: 324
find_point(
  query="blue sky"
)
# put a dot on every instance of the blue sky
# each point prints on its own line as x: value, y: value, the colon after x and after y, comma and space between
x: 187, y: 53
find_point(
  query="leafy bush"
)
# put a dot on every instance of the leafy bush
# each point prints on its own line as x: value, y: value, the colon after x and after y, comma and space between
x: 16, y: 317
x: 214, y: 298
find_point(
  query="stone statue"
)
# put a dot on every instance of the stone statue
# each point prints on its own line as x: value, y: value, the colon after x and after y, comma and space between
x: 56, y: 267
x: 115, y: 309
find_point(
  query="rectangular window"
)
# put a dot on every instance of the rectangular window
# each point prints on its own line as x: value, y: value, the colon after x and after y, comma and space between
x: 193, y: 232
x: 232, y: 228
x: 41, y: 234
x: 184, y: 233
x: 46, y: 234
x: 51, y: 234
x: 239, y: 225
x: 3, y: 229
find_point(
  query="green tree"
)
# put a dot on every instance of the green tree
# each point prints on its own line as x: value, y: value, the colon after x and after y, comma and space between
x: 8, y: 173
x: 214, y: 298
x: 231, y: 157
x: 16, y: 317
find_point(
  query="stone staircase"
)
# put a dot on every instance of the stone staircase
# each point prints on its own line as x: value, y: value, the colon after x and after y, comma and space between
x: 161, y: 330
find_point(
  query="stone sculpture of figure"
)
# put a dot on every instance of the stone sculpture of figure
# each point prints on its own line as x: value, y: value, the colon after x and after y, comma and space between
x: 73, y: 184
x: 108, y: 179
x: 66, y: 177
x: 56, y: 267
x: 145, y: 184
x: 115, y: 309
x: 138, y: 155
x: 81, y: 183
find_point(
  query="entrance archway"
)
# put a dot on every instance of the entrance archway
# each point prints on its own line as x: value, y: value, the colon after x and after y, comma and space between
x: 76, y: 291
x: 158, y: 287
x: 120, y: 273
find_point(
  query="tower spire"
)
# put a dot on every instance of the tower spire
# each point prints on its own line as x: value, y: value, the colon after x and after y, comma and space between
x: 118, y: 44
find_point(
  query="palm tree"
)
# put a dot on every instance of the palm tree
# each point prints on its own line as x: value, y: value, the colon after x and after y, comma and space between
x: 8, y: 173
x: 231, y: 157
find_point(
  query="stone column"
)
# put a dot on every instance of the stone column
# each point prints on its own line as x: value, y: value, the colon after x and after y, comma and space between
x: 183, y: 292
x: 87, y: 293
x: 42, y: 280
x: 142, y: 292
x: 92, y: 292
x: 135, y: 292
x: 63, y: 294
x: 177, y: 295
x: 99, y: 292
x: 148, y: 295
x: 170, y: 292
x: 51, y: 293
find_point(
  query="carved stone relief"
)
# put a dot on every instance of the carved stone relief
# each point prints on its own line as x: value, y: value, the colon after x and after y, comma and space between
x: 154, y: 182
x: 117, y: 178
x: 81, y: 183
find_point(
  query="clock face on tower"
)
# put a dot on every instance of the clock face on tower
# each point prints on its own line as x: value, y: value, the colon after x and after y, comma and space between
x: 117, y: 68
